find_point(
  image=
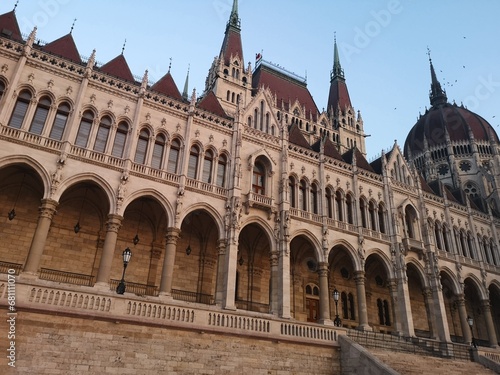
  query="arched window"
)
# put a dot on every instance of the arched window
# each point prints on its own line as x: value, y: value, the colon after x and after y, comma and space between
x: 372, y: 212
x: 470, y: 244
x: 380, y: 308
x: 329, y: 203
x: 142, y: 147
x: 42, y: 110
x: 352, y: 314
x: 221, y: 171
x: 381, y: 218
x: 446, y: 239
x: 60, y: 121
x: 82, y: 137
x: 120, y: 139
x: 350, y: 210
x: 2, y: 89
x: 207, y: 167
x: 22, y: 103
x: 291, y: 191
x: 411, y: 221
x: 387, y: 316
x: 194, y: 155
x: 302, y: 195
x: 101, y: 139
x: 463, y: 244
x: 259, y: 178
x: 158, y: 151
x: 228, y: 95
x: 173, y: 156
x: 362, y: 209
x: 314, y: 199
x: 437, y: 234
x: 343, y: 300
x: 338, y: 203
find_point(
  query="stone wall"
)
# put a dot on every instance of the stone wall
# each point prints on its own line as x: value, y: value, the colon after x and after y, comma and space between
x: 51, y: 344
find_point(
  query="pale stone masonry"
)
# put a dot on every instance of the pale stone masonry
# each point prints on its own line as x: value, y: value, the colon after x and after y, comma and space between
x: 244, y: 211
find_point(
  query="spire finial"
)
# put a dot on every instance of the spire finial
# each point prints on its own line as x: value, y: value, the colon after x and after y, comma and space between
x: 15, y: 6
x: 170, y: 65
x: 233, y: 18
x: 124, y: 43
x: 72, y: 26
x: 186, y: 84
x: 437, y: 95
x: 337, y: 71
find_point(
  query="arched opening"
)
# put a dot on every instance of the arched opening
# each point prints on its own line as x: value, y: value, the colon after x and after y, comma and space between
x: 418, y: 302
x: 378, y: 296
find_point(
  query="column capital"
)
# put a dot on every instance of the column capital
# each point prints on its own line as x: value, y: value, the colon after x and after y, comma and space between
x: 221, y: 246
x: 485, y: 304
x: 114, y: 223
x: 48, y: 208
x: 323, y: 269
x: 172, y: 235
x: 359, y: 277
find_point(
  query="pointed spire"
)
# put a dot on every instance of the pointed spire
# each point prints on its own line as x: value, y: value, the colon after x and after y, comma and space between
x: 15, y: 6
x: 185, y: 91
x: 437, y: 95
x: 123, y: 48
x: 233, y: 18
x: 169, y: 65
x: 72, y: 26
x: 337, y: 71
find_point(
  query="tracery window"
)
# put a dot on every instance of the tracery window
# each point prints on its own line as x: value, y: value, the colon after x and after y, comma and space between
x: 40, y: 117
x: 20, y: 109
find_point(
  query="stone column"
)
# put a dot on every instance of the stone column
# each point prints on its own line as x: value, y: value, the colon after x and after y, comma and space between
x: 392, y: 284
x: 431, y: 317
x: 324, y: 294
x: 490, y: 327
x: 462, y: 313
x: 221, y: 256
x: 47, y: 211
x: 284, y: 281
x: 359, y: 278
x: 274, y: 292
x: 167, y: 273
x: 108, y: 250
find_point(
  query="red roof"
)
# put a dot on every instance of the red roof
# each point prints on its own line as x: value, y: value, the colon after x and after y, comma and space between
x: 329, y: 149
x: 167, y: 86
x: 210, y: 103
x: 118, y: 67
x: 65, y: 47
x: 361, y: 161
x: 231, y: 46
x: 286, y: 89
x: 339, y: 95
x: 296, y: 137
x: 9, y: 27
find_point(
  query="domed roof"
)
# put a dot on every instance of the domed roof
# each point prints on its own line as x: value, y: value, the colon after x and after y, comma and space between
x: 456, y: 121
x: 444, y: 120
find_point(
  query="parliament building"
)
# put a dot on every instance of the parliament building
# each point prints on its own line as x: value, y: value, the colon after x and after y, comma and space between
x: 260, y: 236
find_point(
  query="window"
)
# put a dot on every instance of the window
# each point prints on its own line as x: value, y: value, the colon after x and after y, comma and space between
x: 84, y: 130
x: 173, y: 156
x: 221, y: 171
x: 60, y: 121
x: 343, y: 300
x: 158, y: 151
x: 2, y: 89
x: 352, y: 314
x: 338, y: 202
x: 142, y: 147
x: 387, y: 318
x: 362, y: 209
x: 372, y: 210
x: 437, y: 234
x: 120, y: 139
x: 194, y: 154
x: 314, y: 199
x: 292, y: 196
x: 349, y: 204
x: 381, y: 218
x: 302, y: 195
x: 42, y: 110
x: 446, y: 239
x: 207, y: 167
x: 22, y: 103
x: 258, y: 180
x: 102, y: 134
x: 329, y: 203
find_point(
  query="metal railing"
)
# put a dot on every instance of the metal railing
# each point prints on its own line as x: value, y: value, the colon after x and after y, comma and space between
x: 252, y: 306
x: 66, y: 277
x: 186, y: 296
x: 136, y: 288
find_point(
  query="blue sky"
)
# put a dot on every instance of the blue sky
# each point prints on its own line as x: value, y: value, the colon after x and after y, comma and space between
x: 382, y: 44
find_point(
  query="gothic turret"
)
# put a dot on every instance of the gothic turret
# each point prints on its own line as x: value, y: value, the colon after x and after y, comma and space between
x: 228, y: 78
x: 341, y: 112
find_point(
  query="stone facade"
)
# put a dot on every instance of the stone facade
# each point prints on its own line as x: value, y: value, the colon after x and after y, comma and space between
x: 234, y: 201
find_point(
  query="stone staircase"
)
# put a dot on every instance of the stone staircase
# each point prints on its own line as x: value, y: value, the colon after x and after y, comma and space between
x: 417, y: 364
x: 387, y: 354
